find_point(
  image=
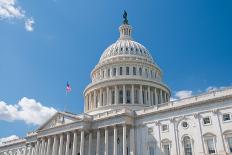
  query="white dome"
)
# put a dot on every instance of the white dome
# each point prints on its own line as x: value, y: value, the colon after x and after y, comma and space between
x: 126, y: 48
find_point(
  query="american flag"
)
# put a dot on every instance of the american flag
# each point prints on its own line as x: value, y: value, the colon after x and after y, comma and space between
x: 68, y: 88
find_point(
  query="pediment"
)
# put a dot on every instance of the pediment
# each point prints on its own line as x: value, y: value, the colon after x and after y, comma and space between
x: 58, y: 119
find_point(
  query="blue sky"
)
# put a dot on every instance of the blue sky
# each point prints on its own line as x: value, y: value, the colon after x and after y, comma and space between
x: 49, y: 42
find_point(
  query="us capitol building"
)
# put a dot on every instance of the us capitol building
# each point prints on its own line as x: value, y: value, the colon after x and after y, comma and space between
x: 128, y: 112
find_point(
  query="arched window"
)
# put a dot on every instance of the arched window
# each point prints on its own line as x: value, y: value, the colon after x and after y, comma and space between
x: 187, y: 145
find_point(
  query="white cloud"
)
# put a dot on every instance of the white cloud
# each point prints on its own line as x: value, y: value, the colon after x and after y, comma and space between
x: 28, y: 110
x: 10, y: 10
x: 29, y: 24
x: 183, y: 94
x: 10, y: 138
x: 188, y: 93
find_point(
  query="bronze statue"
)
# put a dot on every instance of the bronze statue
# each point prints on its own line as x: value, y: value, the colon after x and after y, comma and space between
x: 125, y: 17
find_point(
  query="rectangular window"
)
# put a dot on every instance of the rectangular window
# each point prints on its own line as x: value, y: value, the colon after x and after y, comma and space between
x: 210, y: 145
x: 103, y: 74
x: 112, y: 97
x: 226, y: 117
x: 114, y: 72
x: 127, y: 96
x: 108, y: 72
x: 127, y: 70
x: 136, y: 96
x: 134, y: 70
x: 206, y: 121
x: 164, y: 127
x: 166, y: 149
x: 146, y: 71
x: 120, y: 70
x: 229, y: 139
x: 120, y: 96
x: 140, y: 71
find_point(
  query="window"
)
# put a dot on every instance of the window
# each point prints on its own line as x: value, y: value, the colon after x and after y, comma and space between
x: 103, y: 74
x: 127, y: 96
x: 134, y: 70
x: 112, y: 97
x: 127, y: 70
x: 108, y: 72
x: 226, y: 117
x: 120, y: 70
x: 229, y: 140
x: 114, y: 72
x: 146, y: 73
x: 140, y: 71
x: 184, y: 124
x: 121, y: 96
x: 166, y: 149
x: 136, y: 96
x: 164, y: 127
x: 187, y: 146
x: 210, y: 146
x: 206, y: 121
x: 152, y: 74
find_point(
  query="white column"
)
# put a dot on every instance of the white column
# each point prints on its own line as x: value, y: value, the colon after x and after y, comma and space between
x: 90, y: 143
x: 42, y: 147
x: 124, y: 94
x: 132, y: 94
x: 106, y: 141
x: 55, y: 145
x: 24, y: 153
x: 220, y: 142
x: 48, y: 146
x: 100, y: 100
x: 98, y: 142
x: 74, y: 151
x: 37, y: 147
x: 115, y: 141
x: 67, y: 144
x: 156, y: 97
x: 199, y: 138
x: 124, y: 139
x: 141, y: 94
x: 173, y: 132
x: 132, y: 141
x: 30, y: 150
x: 107, y: 96
x: 90, y: 101
x: 115, y: 95
x: 149, y: 95
x: 158, y: 138
x: 152, y: 101
x: 94, y: 99
x: 61, y: 144
x: 82, y: 143
x: 161, y: 96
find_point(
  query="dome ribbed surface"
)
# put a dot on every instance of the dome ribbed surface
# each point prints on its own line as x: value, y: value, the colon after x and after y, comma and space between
x: 126, y: 48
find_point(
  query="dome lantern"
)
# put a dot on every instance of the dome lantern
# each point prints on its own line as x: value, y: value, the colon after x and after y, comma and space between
x: 125, y: 29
